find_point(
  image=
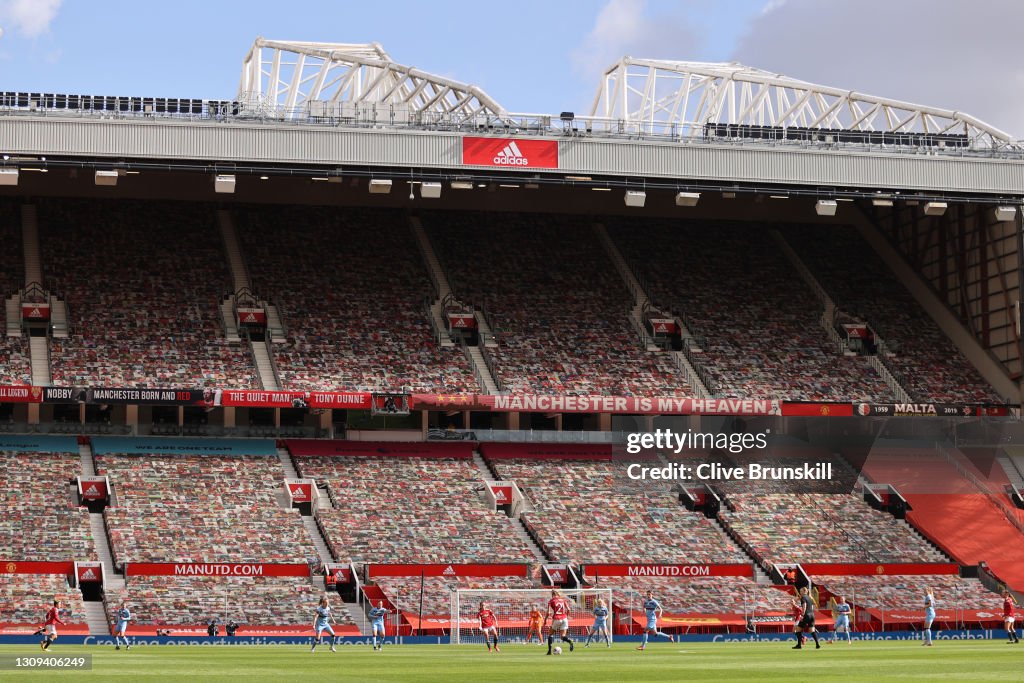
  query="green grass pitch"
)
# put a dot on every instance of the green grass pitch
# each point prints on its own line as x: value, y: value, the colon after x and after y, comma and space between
x: 991, y: 660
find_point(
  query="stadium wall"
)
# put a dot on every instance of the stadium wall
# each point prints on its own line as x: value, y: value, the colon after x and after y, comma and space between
x: 256, y: 143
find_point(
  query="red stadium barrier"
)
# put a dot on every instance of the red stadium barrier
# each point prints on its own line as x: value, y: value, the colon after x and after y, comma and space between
x: 13, y: 629
x: 544, y: 451
x: 213, y: 569
x: 378, y: 449
x: 378, y: 570
x: 668, y: 570
x: 910, y: 569
x: 13, y: 567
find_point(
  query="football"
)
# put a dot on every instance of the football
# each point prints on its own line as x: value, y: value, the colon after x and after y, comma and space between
x: 557, y: 650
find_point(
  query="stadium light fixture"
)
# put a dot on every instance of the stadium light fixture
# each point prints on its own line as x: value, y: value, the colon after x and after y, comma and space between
x: 1005, y: 214
x: 224, y: 184
x: 532, y: 186
x: 687, y: 198
x: 462, y: 185
x: 728, y: 195
x: 106, y: 178
x: 826, y: 207
x: 934, y: 208
x: 635, y: 198
x: 881, y: 201
x: 380, y: 185
x: 263, y: 177
x: 8, y: 176
x: 430, y: 190
x: 601, y: 189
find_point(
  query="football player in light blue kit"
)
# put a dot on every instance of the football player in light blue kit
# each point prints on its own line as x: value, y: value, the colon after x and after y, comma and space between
x: 653, y: 609
x: 600, y: 627
x: 842, y: 621
x: 322, y: 622
x: 124, y: 615
x: 377, y: 615
x: 929, y: 616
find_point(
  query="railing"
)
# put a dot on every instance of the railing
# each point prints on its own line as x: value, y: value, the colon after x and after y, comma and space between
x: 491, y: 368
x: 429, y: 314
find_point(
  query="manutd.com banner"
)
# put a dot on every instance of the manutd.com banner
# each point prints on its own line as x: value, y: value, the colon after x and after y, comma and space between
x: 210, y: 569
x: 510, y: 152
x: 599, y: 570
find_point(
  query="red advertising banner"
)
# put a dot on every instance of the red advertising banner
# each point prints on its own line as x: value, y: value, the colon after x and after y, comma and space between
x: 301, y: 493
x: 665, y: 326
x: 11, y: 567
x: 559, y: 573
x: 296, y: 399
x: 502, y: 494
x: 510, y: 152
x: 252, y: 316
x: 21, y: 394
x: 8, y: 628
x: 35, y: 312
x: 89, y: 572
x: 668, y: 570
x: 377, y: 570
x: 856, y: 330
x: 941, y: 615
x: 910, y: 569
x: 684, y: 620
x: 93, y: 488
x: 379, y: 449
x: 213, y: 569
x: 342, y: 575
x: 462, y: 321
x: 442, y: 622
x: 817, y: 409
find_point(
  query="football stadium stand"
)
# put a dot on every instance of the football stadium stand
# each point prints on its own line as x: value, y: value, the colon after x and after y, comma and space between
x: 228, y: 504
x: 558, y: 308
x: 753, y: 346
x: 25, y: 598
x: 926, y: 362
x: 41, y: 520
x: 351, y: 288
x: 15, y: 363
x: 139, y: 313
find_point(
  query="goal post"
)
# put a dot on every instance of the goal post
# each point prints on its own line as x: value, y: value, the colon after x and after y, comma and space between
x: 512, y: 607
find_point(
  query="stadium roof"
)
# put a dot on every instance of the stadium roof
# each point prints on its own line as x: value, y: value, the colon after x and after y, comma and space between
x: 284, y: 79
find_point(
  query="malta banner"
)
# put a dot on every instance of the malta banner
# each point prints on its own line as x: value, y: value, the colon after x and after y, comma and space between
x: 210, y: 569
x: 462, y: 321
x: 35, y: 312
x: 910, y: 569
x: 20, y: 394
x: 451, y: 570
x: 668, y: 570
x: 11, y: 567
x: 509, y: 152
x: 92, y: 488
x: 89, y: 572
x: 917, y: 410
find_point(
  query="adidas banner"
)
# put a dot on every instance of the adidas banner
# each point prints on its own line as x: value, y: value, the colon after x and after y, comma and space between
x: 252, y: 316
x: 462, y: 321
x: 479, y: 570
x: 92, y: 488
x: 510, y: 152
x: 35, y: 312
x: 502, y: 494
x: 89, y: 572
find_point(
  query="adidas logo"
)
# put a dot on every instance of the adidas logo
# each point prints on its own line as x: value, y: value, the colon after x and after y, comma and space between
x: 460, y: 322
x: 249, y: 318
x: 448, y: 571
x: 88, y: 575
x: 511, y: 156
x: 34, y: 313
x: 91, y: 491
x: 500, y: 495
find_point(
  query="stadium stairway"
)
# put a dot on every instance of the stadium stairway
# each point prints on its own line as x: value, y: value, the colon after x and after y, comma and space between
x: 112, y: 580
x: 239, y: 274
x: 518, y: 525
x: 30, y: 244
x: 39, y: 348
x: 313, y: 529
x: 640, y: 303
x: 442, y: 288
x: 829, y: 315
x: 96, y: 618
x: 12, y: 308
x: 264, y: 365
x: 286, y: 463
x: 227, y: 318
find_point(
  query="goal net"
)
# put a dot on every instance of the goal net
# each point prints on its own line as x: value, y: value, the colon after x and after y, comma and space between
x: 512, y: 609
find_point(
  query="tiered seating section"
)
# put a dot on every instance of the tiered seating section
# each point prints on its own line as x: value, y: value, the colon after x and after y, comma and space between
x: 760, y: 321
x: 173, y: 601
x: 721, y: 595
x: 228, y: 505
x: 351, y: 287
x: 25, y: 599
x: 419, y: 510
x: 586, y: 512
x: 907, y: 592
x: 404, y: 592
x: 557, y: 306
x: 40, y: 519
x: 15, y: 361
x: 823, y: 522
x: 142, y: 282
x: 927, y: 363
